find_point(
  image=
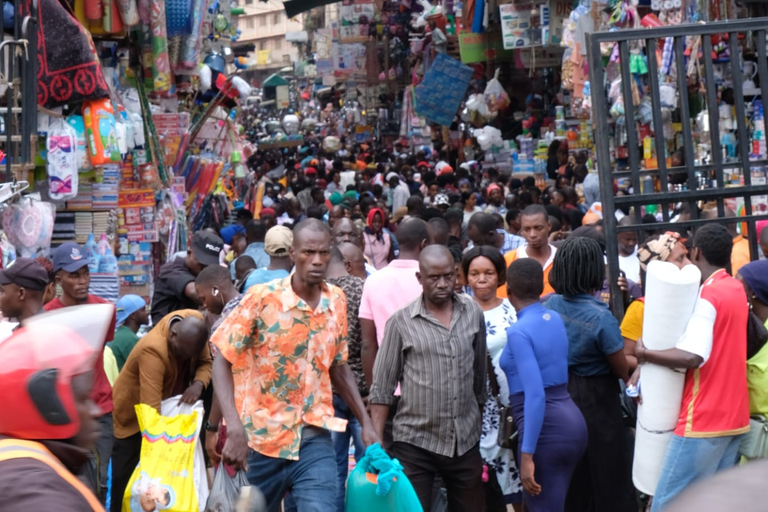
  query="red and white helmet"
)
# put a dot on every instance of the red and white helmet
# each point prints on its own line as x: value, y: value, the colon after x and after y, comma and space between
x: 39, y: 361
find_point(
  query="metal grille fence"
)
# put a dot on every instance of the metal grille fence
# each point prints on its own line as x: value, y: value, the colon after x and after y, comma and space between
x: 705, y: 181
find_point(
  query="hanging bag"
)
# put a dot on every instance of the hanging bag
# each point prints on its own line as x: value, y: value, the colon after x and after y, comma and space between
x: 507, y: 427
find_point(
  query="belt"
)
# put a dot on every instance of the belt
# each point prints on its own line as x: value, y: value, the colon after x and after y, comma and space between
x: 310, y: 431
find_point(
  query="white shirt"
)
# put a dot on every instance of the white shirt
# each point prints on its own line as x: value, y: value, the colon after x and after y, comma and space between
x: 630, y: 265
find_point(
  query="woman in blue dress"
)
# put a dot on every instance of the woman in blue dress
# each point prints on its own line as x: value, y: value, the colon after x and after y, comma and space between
x: 553, y: 434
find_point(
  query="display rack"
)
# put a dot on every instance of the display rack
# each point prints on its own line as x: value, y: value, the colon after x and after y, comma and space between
x: 705, y: 182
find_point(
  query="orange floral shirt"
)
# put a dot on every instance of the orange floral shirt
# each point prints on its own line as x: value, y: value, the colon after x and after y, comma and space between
x: 281, y: 351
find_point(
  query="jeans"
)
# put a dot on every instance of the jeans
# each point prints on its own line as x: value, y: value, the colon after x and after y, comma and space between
x: 690, y: 459
x: 341, y: 446
x: 306, y: 478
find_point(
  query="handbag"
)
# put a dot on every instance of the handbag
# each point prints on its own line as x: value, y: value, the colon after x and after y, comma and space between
x: 754, y: 444
x: 757, y: 334
x: 507, y: 437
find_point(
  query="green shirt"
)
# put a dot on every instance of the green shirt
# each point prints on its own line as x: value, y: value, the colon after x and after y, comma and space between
x: 125, y: 340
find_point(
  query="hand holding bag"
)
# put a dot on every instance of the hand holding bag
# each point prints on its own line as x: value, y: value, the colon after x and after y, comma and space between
x: 507, y: 427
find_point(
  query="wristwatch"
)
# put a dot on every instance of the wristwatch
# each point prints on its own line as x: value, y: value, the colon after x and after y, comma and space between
x: 211, y: 428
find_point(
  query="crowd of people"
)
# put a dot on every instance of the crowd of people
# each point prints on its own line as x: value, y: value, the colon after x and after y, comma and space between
x: 457, y: 316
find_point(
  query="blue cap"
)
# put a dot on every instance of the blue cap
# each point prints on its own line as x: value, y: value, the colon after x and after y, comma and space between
x: 128, y: 305
x: 69, y: 257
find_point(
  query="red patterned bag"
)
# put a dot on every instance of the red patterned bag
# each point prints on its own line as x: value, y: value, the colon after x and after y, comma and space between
x: 68, y: 67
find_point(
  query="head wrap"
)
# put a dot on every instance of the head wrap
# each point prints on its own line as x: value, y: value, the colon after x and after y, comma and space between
x: 350, y: 194
x: 492, y: 186
x: 336, y: 198
x: 369, y: 224
x: 657, y: 249
x: 755, y: 274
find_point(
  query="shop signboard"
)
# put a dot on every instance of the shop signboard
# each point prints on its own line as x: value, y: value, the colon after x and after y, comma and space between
x: 474, y: 48
x: 521, y: 24
x: 559, y: 11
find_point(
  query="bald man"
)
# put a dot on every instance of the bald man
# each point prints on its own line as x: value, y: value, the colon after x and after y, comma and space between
x: 435, y: 347
x: 354, y: 260
x: 172, y: 359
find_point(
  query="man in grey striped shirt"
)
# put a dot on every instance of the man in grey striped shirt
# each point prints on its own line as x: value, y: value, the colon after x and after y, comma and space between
x: 435, y: 347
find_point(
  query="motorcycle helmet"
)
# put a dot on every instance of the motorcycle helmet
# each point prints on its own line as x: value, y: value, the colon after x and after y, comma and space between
x: 40, y: 360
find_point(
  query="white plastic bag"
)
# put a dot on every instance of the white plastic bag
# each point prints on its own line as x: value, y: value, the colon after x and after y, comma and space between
x: 171, y: 407
x: 227, y: 493
x: 495, y: 96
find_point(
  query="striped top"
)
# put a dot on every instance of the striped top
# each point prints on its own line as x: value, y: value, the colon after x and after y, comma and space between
x: 442, y: 374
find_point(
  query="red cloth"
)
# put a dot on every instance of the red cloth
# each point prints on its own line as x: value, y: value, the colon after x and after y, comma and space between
x: 102, y: 391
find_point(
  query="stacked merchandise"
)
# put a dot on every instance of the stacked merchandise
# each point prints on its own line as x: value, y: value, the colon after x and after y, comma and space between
x: 83, y: 226
x: 63, y: 228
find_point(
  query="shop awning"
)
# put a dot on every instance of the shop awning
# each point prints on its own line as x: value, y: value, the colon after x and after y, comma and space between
x: 274, y: 80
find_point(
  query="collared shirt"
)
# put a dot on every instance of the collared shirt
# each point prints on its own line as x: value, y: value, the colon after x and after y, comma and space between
x: 439, y: 411
x: 281, y: 351
x: 593, y: 333
x: 353, y: 291
x: 228, y: 308
x: 511, y: 242
x: 388, y: 290
x: 257, y: 252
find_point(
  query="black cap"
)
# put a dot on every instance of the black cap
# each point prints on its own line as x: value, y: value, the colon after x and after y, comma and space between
x: 207, y: 247
x: 26, y: 273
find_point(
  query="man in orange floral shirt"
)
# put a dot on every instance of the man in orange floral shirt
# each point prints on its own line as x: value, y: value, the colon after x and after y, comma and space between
x: 279, y: 351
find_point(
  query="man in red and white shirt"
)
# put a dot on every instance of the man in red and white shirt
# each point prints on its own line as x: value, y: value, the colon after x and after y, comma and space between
x: 715, y: 407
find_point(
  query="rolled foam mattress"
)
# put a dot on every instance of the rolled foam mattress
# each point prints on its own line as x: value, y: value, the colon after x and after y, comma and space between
x: 670, y: 296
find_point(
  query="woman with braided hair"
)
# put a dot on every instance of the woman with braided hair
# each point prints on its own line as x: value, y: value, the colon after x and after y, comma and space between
x: 602, y: 481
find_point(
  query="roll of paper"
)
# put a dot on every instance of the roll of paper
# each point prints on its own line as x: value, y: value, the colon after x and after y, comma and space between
x: 670, y: 297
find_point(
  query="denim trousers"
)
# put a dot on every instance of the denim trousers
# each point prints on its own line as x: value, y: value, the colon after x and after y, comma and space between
x: 308, y: 479
x: 690, y: 459
x: 341, y: 446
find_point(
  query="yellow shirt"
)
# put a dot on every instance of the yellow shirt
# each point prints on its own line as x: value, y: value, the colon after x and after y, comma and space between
x: 632, y: 324
x: 740, y: 254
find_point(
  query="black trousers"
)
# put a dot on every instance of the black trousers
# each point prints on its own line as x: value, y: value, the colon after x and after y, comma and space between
x: 602, y: 481
x: 125, y: 457
x: 461, y: 475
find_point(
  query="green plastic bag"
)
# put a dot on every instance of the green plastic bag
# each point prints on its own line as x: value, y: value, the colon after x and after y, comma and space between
x: 378, y: 484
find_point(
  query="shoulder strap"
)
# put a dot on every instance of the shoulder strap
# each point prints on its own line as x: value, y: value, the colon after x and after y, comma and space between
x: 495, y: 389
x: 19, y: 449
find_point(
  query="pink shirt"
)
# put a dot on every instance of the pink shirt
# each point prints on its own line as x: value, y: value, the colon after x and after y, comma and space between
x: 388, y: 290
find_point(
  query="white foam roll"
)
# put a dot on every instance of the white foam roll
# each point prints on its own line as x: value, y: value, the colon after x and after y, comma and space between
x: 662, y: 389
x: 670, y: 297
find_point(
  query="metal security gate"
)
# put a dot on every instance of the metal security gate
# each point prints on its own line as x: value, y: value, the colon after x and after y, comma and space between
x: 18, y: 84
x: 704, y: 181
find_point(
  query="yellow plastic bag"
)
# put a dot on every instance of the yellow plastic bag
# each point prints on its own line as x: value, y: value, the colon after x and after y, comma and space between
x: 163, y: 480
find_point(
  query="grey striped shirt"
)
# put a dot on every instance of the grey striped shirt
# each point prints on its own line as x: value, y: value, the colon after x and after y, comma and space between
x: 442, y: 374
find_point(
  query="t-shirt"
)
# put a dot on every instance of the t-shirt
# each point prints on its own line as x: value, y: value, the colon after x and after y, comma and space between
x: 125, y: 340
x: 101, y: 393
x: 388, y: 290
x: 263, y: 275
x: 521, y: 252
x: 630, y: 265
x: 169, y: 295
x: 715, y: 397
x: 593, y: 333
x: 632, y: 324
